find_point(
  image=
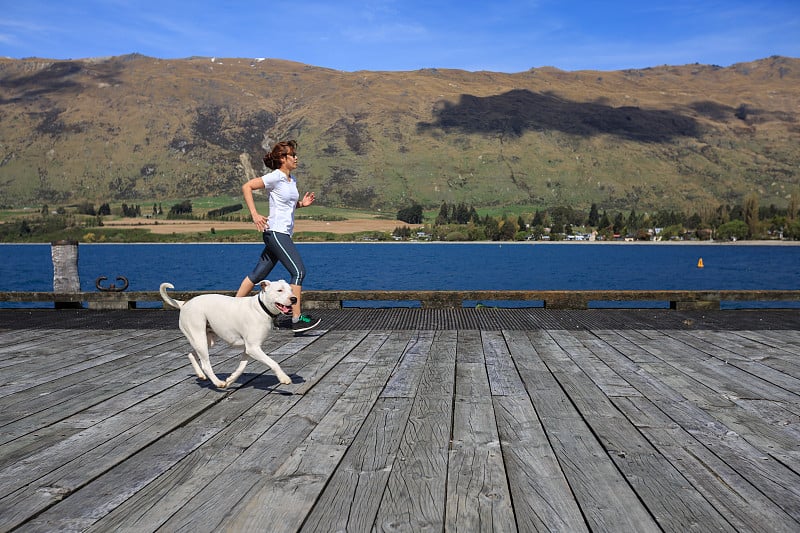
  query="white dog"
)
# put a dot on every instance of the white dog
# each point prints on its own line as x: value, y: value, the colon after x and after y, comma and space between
x: 238, y: 321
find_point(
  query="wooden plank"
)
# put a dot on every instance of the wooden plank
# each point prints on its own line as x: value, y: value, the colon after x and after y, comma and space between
x: 557, y: 352
x: 725, y: 380
x: 743, y: 505
x: 38, y: 429
x: 405, y: 379
x: 541, y: 495
x: 14, y: 343
x: 744, y: 413
x: 576, y: 360
x: 36, y: 483
x: 470, y: 347
x: 76, y: 461
x: 787, y: 342
x: 603, y: 376
x: 352, y: 497
x: 774, y: 480
x: 607, y: 501
x: 67, y: 358
x: 676, y: 505
x: 416, y: 490
x: 680, y: 370
x: 51, y: 387
x: 266, y: 443
x: 745, y: 359
x: 477, y: 486
x: 149, y: 497
x: 781, y: 364
x: 248, y: 403
x: 503, y: 377
x: 543, y: 500
x: 83, y: 402
x: 50, y: 358
x: 780, y: 440
x: 285, y: 498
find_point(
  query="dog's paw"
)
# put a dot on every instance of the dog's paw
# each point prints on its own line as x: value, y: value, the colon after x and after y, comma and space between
x: 286, y: 380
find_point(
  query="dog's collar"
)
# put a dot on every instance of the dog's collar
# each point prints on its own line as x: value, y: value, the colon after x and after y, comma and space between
x: 264, y: 307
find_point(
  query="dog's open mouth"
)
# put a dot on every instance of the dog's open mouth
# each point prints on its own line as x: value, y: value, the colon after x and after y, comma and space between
x: 285, y: 309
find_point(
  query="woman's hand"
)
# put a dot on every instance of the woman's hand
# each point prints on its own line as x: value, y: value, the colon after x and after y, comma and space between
x: 260, y: 221
x: 308, y: 199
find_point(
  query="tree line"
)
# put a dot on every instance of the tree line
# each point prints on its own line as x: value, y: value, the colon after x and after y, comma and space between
x: 747, y: 220
x: 181, y: 209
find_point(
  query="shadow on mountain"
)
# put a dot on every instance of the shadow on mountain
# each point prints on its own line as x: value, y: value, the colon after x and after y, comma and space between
x: 744, y: 113
x: 518, y: 111
x: 713, y: 110
x: 59, y: 77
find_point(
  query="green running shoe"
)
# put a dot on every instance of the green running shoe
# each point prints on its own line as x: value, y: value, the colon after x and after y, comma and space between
x: 304, y: 323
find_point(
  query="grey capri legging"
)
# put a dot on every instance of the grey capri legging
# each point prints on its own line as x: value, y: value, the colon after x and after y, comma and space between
x: 279, y: 248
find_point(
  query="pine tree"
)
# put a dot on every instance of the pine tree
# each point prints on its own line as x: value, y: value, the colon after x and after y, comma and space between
x: 794, y: 206
x: 751, y: 215
x: 444, y: 215
x: 594, y: 216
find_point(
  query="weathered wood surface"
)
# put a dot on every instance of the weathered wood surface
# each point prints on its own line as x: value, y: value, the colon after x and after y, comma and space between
x: 409, y: 420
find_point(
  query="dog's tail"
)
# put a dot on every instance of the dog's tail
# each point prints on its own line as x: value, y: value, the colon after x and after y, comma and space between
x: 167, y: 298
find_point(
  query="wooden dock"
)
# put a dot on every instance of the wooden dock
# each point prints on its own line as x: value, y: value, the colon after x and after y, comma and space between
x: 406, y: 420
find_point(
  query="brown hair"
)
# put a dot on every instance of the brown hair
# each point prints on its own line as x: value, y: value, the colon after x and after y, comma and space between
x: 279, y: 151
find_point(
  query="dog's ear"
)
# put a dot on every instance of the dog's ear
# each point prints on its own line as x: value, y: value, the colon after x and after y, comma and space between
x: 264, y: 284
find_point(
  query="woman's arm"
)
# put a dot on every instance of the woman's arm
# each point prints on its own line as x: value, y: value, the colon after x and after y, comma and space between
x: 247, y: 191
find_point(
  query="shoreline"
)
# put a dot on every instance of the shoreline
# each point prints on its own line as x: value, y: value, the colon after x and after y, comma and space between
x: 383, y: 225
x: 763, y: 243
x: 755, y: 242
x: 363, y: 225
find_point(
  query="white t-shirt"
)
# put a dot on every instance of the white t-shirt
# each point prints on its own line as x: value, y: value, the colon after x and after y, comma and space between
x: 283, y: 196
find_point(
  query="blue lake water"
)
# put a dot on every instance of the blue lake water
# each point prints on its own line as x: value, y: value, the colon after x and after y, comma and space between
x: 423, y: 266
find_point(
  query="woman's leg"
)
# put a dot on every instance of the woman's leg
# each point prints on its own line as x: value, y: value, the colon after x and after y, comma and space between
x: 285, y: 251
x: 282, y: 248
x: 262, y: 269
x: 296, y: 290
x: 245, y: 288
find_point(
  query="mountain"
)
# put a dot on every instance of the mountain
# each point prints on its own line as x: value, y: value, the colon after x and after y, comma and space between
x: 133, y: 128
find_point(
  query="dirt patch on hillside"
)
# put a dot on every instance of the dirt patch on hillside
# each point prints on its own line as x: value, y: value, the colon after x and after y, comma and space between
x: 201, y: 226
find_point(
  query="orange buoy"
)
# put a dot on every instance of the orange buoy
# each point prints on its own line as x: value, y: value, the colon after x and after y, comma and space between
x: 700, y: 263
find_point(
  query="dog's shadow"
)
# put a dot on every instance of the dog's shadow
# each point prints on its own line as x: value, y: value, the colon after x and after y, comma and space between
x: 266, y: 381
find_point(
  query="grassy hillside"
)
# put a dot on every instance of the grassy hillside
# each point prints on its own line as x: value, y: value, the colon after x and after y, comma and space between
x: 131, y: 128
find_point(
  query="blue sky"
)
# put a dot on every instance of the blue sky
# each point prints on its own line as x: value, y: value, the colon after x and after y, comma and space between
x: 500, y: 36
